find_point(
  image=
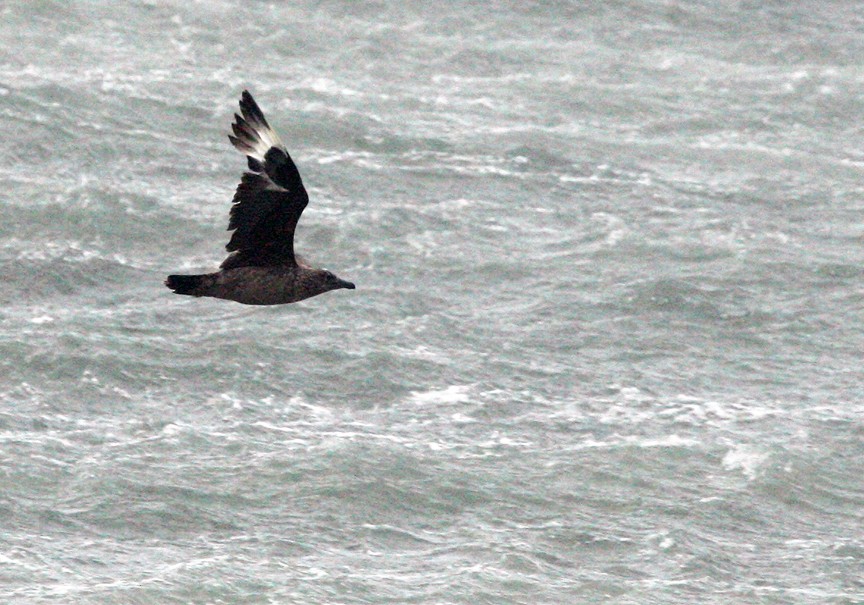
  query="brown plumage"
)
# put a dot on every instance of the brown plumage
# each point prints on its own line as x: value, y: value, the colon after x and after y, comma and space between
x: 261, y: 268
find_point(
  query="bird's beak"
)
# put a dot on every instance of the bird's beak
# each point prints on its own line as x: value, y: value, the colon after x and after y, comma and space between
x: 346, y: 284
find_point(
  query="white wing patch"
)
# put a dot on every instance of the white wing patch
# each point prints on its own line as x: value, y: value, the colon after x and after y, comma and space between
x: 252, y: 134
x: 267, y: 138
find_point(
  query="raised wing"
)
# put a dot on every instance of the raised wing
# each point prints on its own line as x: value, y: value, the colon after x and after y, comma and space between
x: 270, y: 197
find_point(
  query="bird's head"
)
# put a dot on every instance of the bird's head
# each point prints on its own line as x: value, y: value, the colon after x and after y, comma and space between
x: 331, y: 282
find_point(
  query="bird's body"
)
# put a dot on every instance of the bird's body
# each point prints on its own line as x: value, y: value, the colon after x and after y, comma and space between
x: 262, y: 268
x: 274, y: 285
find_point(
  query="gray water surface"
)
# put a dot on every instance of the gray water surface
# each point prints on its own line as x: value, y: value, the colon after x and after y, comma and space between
x: 605, y: 345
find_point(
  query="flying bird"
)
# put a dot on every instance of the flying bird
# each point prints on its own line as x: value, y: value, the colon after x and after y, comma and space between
x: 262, y: 268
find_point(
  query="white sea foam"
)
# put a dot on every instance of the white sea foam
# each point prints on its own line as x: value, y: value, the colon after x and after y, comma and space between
x: 450, y: 395
x: 746, y: 458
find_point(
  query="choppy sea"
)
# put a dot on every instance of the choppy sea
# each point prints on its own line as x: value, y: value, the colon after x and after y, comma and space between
x: 605, y: 346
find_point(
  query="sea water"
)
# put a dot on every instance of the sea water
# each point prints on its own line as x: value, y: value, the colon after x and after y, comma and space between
x: 605, y: 345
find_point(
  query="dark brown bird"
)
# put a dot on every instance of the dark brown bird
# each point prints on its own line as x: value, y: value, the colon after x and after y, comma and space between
x: 261, y: 268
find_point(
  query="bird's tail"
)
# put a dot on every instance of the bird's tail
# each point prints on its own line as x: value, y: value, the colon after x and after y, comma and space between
x: 193, y: 285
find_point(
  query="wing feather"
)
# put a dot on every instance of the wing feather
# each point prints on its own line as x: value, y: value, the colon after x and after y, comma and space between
x: 270, y: 198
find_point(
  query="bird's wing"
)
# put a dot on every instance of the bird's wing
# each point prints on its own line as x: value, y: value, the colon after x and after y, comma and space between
x: 270, y: 197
